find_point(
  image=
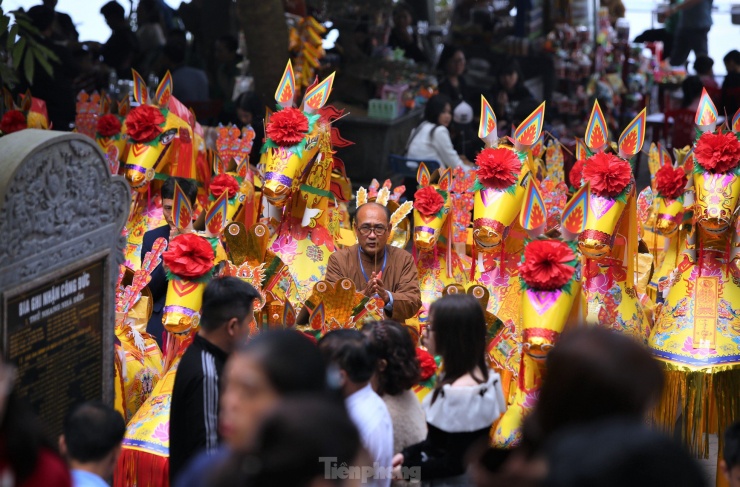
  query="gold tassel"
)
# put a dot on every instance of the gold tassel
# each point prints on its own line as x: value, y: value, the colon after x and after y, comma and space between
x: 708, y: 401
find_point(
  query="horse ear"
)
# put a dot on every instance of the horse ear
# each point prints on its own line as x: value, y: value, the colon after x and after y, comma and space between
x: 8, y: 99
x: 26, y: 101
x: 422, y: 175
x: 124, y: 106
x: 105, y: 105
x: 141, y: 95
x: 445, y: 180
x: 286, y: 89
x: 164, y: 91
x: 631, y: 140
x: 597, y: 132
x: 533, y: 216
x: 216, y: 215
x: 182, y: 207
x: 315, y: 98
x: 575, y: 213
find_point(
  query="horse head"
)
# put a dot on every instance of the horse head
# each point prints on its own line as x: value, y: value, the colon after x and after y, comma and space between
x: 431, y: 206
x: 502, y: 175
x: 609, y: 184
x: 292, y: 137
x: 161, y: 134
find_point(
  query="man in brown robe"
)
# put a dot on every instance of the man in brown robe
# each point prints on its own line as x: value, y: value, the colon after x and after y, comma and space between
x: 378, y: 268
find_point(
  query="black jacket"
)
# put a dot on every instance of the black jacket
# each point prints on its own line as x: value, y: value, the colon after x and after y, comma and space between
x: 158, y: 284
x: 194, y: 409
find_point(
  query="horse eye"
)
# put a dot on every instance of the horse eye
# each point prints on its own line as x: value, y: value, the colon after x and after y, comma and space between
x: 167, y: 136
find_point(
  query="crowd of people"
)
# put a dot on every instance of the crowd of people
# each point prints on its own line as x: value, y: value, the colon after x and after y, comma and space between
x: 203, y: 77
x: 282, y: 410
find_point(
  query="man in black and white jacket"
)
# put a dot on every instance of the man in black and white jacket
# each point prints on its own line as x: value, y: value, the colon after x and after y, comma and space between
x: 226, y: 314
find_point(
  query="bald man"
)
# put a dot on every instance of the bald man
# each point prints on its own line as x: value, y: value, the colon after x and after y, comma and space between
x: 377, y: 268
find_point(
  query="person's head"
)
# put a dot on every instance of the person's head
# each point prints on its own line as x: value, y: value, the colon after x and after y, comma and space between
x: 438, y: 110
x: 92, y: 436
x: 349, y: 354
x: 729, y: 464
x: 268, y: 368
x: 42, y: 17
x: 249, y: 108
x: 114, y: 14
x: 50, y: 3
x: 147, y: 12
x: 692, y: 88
x: 402, y: 16
x: 225, y: 48
x: 452, y: 61
x: 397, y: 367
x: 372, y: 227
x: 593, y: 374
x: 732, y: 61
x: 293, y: 446
x: 456, y: 330
x: 227, y: 311
x: 173, y: 55
x: 703, y: 65
x: 509, y: 75
x: 168, y: 194
x: 618, y: 452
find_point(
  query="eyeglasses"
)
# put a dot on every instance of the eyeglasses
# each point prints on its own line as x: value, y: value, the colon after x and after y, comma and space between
x: 378, y: 230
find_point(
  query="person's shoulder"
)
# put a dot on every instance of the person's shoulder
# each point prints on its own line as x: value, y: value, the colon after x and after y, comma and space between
x: 400, y: 254
x: 155, y: 233
x: 344, y: 253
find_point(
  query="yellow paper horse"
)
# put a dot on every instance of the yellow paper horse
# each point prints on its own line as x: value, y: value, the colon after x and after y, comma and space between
x: 297, y: 173
x: 163, y: 142
x: 605, y: 219
x: 697, y: 330
x: 145, y: 450
x: 504, y: 175
x: 437, y: 263
x: 548, y: 307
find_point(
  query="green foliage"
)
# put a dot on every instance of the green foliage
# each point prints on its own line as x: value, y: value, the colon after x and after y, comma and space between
x: 20, y: 49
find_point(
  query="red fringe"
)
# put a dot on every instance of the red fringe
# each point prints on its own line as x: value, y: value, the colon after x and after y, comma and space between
x: 140, y: 469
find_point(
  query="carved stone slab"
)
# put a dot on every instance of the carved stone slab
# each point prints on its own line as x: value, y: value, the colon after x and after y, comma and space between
x: 61, y: 218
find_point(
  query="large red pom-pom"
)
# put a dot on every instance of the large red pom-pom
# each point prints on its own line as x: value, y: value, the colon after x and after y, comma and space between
x: 497, y: 168
x: 718, y: 153
x: 426, y: 363
x: 224, y: 182
x: 607, y: 174
x: 670, y: 182
x: 575, y: 176
x: 428, y: 201
x: 189, y: 256
x: 287, y: 127
x: 546, y: 264
x: 109, y: 125
x: 143, y: 123
x: 13, y: 121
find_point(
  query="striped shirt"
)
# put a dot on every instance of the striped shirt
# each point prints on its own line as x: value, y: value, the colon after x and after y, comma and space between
x: 194, y: 409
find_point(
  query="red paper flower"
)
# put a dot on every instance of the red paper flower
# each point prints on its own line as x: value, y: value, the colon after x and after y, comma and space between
x: 498, y: 168
x: 607, y: 174
x: 189, y: 256
x: 109, y: 125
x: 426, y: 363
x: 576, y: 174
x: 670, y: 182
x: 224, y: 182
x: 718, y: 153
x: 546, y: 264
x: 287, y: 127
x: 13, y: 121
x: 428, y: 201
x: 143, y: 123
